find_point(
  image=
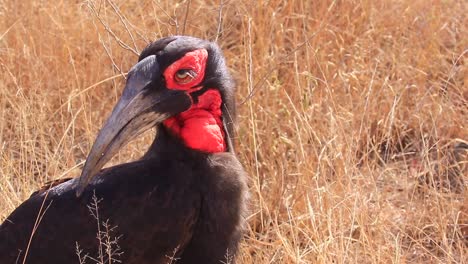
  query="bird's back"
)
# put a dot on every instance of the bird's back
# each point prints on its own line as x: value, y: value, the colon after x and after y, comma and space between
x: 151, y: 210
x: 145, y: 206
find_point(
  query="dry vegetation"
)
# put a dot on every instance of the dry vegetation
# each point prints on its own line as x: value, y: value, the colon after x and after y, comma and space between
x: 353, y: 114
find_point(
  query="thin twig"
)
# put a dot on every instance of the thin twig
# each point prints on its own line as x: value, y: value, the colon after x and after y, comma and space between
x: 124, y: 21
x: 187, y: 9
x: 272, y: 68
x: 39, y: 217
x: 220, y: 20
x: 8, y: 29
x: 172, y: 18
x: 120, y: 42
x: 108, y: 53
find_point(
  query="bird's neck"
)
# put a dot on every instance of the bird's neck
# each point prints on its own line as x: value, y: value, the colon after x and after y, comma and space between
x: 201, y: 126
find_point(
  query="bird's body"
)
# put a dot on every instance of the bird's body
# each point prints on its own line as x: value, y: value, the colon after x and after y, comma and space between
x: 175, y: 203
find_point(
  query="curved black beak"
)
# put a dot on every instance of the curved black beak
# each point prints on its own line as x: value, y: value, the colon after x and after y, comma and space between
x: 145, y: 102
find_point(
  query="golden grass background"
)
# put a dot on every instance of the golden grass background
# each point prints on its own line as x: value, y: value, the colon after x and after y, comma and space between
x: 354, y: 139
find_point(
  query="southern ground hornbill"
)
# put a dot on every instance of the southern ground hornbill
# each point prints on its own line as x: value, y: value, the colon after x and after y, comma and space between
x: 184, y: 199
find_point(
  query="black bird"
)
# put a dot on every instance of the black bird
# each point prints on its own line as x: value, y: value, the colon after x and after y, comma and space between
x: 183, y: 201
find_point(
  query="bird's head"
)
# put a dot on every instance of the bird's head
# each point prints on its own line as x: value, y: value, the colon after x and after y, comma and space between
x: 179, y: 82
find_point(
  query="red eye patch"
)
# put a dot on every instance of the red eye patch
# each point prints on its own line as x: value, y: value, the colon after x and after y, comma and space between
x: 195, y: 62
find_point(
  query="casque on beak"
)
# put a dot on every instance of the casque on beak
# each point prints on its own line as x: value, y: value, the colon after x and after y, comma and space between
x: 144, y: 103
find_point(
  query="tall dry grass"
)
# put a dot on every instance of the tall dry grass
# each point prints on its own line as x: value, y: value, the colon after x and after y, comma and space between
x: 353, y: 114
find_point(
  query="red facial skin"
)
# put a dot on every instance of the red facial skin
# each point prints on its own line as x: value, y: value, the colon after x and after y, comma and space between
x: 195, y: 61
x: 200, y: 127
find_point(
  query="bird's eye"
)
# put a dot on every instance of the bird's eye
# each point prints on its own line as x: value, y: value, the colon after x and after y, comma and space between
x: 183, y: 76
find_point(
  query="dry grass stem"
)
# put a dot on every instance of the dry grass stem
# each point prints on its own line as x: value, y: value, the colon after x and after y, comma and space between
x: 352, y: 115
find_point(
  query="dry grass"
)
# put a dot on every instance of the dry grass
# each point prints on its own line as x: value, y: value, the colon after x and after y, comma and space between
x: 353, y: 136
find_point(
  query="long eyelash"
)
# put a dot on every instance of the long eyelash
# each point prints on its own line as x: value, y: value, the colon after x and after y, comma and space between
x: 191, y: 73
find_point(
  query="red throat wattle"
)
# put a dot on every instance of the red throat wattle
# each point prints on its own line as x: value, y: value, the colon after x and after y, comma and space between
x: 200, y: 127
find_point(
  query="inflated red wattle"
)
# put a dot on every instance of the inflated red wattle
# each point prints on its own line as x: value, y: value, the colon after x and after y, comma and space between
x: 201, y: 127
